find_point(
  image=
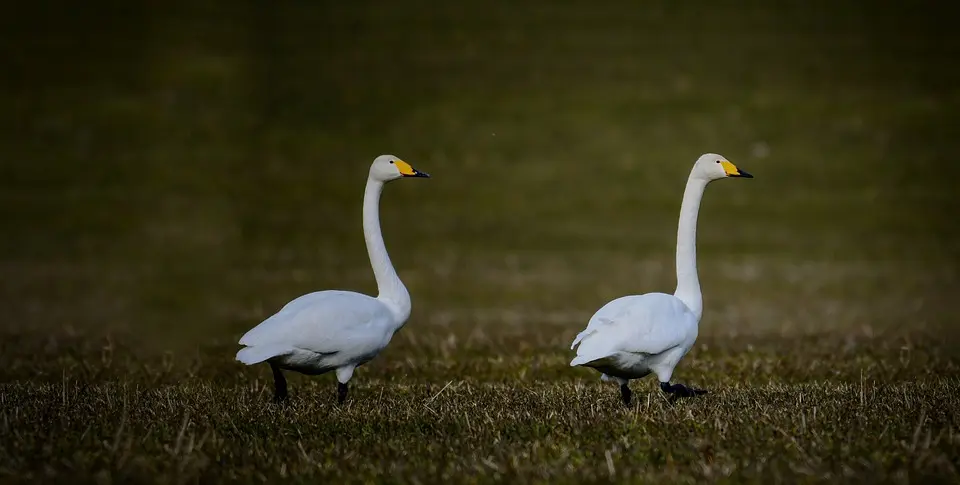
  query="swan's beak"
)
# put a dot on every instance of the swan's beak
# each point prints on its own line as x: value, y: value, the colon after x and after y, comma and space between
x: 417, y: 173
x: 733, y: 171
x: 407, y: 171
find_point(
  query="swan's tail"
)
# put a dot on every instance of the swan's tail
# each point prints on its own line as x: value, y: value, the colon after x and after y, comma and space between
x: 259, y: 353
x: 582, y: 359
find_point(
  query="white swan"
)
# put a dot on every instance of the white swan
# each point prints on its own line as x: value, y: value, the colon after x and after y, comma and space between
x: 326, y: 330
x: 632, y: 336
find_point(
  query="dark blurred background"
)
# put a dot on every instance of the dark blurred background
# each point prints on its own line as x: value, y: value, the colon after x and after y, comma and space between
x: 173, y: 172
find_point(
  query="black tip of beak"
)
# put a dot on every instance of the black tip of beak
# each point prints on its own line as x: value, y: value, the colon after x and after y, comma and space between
x: 744, y: 174
x: 417, y: 173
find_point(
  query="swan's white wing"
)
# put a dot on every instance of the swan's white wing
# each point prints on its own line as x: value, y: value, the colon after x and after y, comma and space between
x: 325, y: 322
x: 644, y: 324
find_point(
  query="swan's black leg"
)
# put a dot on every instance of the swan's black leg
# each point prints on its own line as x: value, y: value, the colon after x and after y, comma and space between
x: 680, y: 390
x: 625, y: 393
x: 341, y: 392
x: 279, y: 384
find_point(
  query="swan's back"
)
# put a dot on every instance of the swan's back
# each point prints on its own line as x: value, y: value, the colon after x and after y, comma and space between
x: 324, y: 321
x: 645, y: 324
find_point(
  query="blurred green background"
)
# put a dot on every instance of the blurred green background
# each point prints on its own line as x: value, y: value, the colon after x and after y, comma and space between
x: 173, y: 172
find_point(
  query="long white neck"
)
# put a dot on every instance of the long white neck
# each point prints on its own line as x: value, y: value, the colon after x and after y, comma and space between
x: 389, y: 285
x: 688, y: 283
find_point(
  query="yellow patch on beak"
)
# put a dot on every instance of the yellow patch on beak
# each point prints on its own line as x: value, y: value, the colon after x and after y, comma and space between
x: 405, y: 168
x: 729, y: 168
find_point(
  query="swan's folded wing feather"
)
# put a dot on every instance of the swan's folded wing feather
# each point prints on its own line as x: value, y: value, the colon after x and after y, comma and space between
x: 604, y: 320
x: 660, y: 324
x: 324, y: 322
x: 642, y: 324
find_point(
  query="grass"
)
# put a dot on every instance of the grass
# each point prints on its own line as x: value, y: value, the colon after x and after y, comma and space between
x: 816, y: 411
x: 171, y: 176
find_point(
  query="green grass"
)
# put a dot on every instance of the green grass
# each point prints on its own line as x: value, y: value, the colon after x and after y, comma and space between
x: 169, y: 176
x: 440, y: 409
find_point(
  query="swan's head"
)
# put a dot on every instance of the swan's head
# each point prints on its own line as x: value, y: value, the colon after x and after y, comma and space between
x: 711, y: 166
x: 388, y: 167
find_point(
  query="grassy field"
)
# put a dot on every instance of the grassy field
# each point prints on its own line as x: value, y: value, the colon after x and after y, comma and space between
x: 172, y: 174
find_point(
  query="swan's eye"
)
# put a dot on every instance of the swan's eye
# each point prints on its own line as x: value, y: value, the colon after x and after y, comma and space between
x: 391, y: 162
x: 718, y: 161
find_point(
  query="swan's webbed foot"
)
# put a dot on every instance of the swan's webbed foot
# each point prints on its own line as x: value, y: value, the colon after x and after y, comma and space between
x: 680, y: 390
x: 625, y: 393
x: 341, y: 392
x: 279, y: 385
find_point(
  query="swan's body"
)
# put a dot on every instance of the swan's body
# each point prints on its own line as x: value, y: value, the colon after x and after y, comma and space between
x: 623, y: 339
x: 338, y: 330
x: 322, y: 331
x: 634, y: 336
